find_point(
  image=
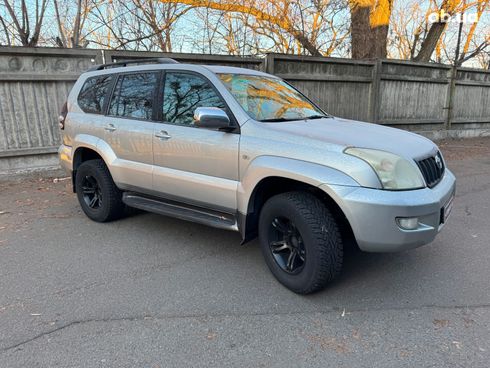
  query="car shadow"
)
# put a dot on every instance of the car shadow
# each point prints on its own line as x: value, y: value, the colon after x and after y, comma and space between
x: 361, y: 270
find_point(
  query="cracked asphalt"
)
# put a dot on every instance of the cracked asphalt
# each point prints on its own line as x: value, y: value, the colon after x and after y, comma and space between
x: 151, y: 291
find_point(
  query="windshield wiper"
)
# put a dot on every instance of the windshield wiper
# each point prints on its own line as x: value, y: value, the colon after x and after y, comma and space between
x: 316, y: 117
x: 277, y: 120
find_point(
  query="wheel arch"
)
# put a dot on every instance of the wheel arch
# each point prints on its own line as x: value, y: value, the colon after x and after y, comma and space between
x: 273, y: 185
x: 90, y: 148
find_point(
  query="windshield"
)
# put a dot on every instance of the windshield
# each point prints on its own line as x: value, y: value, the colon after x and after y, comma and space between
x: 269, y: 99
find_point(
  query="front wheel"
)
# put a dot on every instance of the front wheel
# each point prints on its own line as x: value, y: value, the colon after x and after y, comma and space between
x: 300, y: 241
x: 99, y: 197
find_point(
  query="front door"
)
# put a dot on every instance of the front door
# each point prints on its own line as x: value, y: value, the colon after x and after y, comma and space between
x: 195, y: 165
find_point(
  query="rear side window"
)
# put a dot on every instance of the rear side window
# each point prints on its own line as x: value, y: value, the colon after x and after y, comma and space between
x: 133, y: 96
x: 94, y: 93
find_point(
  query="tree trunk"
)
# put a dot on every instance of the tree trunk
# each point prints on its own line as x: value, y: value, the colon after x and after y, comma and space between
x: 306, y: 43
x: 430, y: 42
x: 367, y: 42
x: 75, y: 40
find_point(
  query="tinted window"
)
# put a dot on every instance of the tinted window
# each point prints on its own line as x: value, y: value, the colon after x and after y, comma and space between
x: 93, y: 94
x: 183, y: 93
x: 133, y: 96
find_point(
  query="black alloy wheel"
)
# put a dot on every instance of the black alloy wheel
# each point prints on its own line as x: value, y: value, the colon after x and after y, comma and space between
x: 300, y: 240
x: 92, y: 194
x: 97, y: 193
x: 287, y: 245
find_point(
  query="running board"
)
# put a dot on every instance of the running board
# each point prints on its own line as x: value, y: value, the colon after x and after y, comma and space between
x: 181, y: 211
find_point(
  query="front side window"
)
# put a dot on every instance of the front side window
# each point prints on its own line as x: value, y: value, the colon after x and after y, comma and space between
x: 268, y: 98
x: 183, y: 93
x: 133, y: 96
x: 94, y: 93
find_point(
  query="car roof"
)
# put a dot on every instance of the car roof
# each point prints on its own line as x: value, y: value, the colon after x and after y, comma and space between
x: 221, y: 69
x: 216, y: 69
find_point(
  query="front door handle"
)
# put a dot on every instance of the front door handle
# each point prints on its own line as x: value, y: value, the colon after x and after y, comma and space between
x: 110, y: 127
x: 163, y: 135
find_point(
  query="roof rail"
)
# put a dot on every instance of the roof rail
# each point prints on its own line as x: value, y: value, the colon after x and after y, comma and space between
x: 133, y: 61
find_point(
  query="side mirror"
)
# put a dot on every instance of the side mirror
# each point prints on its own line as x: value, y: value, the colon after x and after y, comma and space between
x: 212, y: 118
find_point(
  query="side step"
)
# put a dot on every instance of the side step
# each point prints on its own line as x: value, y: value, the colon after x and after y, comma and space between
x: 181, y: 211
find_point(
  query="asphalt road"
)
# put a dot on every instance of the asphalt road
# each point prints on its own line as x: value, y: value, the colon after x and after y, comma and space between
x: 150, y: 291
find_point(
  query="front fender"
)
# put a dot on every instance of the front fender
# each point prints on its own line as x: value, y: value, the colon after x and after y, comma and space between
x: 271, y: 166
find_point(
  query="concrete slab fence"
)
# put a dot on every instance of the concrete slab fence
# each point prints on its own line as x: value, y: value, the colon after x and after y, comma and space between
x: 432, y: 99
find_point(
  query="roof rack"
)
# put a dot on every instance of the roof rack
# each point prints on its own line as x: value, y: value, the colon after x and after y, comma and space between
x: 133, y: 61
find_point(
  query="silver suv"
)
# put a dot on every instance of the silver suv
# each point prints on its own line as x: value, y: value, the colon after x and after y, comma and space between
x: 242, y: 150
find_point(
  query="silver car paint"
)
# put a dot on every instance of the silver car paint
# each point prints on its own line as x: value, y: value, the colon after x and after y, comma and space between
x: 132, y: 144
x: 371, y: 214
x: 221, y: 170
x: 198, y: 164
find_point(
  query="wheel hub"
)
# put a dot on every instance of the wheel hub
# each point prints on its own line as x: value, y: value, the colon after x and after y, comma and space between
x: 286, y: 245
x: 92, y: 194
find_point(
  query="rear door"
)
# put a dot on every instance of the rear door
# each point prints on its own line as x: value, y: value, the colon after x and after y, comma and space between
x: 129, y: 129
x: 194, y: 165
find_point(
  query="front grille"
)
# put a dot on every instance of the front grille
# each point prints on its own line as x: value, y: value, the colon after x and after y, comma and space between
x: 432, y: 169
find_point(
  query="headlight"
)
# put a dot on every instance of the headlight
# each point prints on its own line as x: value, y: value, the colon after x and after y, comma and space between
x: 393, y: 171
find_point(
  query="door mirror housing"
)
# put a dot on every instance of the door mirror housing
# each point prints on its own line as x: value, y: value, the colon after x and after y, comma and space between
x: 212, y: 118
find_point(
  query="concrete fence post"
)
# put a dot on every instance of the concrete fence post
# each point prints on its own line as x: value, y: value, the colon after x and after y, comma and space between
x: 268, y: 65
x: 450, y: 97
x: 375, y: 92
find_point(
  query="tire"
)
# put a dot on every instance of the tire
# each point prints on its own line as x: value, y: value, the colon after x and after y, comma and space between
x: 299, y: 220
x: 94, y: 179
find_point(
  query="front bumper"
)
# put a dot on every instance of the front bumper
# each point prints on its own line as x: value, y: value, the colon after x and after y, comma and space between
x: 66, y: 158
x: 372, y: 214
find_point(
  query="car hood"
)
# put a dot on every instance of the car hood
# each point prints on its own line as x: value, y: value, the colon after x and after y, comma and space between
x: 350, y: 133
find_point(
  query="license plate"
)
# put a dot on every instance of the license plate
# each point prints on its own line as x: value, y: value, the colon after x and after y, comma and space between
x: 448, y: 207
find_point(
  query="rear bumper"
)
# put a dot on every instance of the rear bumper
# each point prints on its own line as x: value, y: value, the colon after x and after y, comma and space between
x: 66, y: 157
x: 372, y: 214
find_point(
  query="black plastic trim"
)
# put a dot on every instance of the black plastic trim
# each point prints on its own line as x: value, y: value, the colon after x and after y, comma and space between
x: 181, y: 211
x: 132, y: 61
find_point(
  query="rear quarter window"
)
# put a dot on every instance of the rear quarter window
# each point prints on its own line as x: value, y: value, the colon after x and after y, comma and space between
x: 94, y: 94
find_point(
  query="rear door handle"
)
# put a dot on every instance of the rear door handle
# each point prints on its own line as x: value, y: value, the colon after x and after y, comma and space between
x: 163, y: 135
x: 110, y: 127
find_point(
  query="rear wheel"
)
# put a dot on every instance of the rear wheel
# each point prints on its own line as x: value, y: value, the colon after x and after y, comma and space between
x: 99, y: 197
x: 300, y: 241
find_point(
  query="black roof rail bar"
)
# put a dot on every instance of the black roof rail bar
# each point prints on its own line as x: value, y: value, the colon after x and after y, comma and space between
x: 133, y: 61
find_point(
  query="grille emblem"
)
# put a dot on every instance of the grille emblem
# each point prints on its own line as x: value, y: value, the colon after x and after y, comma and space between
x: 438, y: 162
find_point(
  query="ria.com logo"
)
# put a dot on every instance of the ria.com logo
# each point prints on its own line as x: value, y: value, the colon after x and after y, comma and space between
x: 441, y: 16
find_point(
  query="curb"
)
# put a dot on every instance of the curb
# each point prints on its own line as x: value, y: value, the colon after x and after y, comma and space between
x: 44, y: 172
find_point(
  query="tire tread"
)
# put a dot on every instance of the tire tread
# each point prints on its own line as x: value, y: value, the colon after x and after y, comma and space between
x: 113, y: 198
x: 326, y: 235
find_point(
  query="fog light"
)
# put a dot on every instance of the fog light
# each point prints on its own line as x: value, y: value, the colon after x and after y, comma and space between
x: 408, y: 223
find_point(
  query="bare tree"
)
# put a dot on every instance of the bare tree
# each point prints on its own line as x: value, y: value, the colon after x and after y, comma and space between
x: 135, y: 24
x: 159, y: 18
x: 408, y: 25
x: 483, y: 60
x: 275, y: 12
x: 21, y: 19
x: 72, y: 17
x: 445, y: 10
x: 5, y: 31
x: 466, y: 53
x: 290, y: 26
x: 462, y: 41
